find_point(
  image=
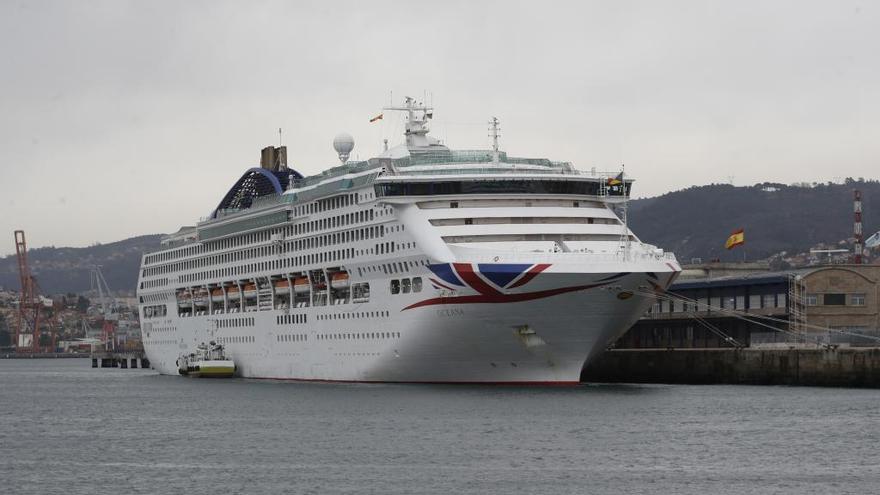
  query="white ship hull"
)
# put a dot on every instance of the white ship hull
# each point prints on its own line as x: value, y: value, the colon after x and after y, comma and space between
x: 542, y: 340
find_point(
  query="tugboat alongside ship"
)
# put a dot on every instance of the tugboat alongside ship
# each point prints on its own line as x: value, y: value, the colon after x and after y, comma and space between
x: 208, y: 361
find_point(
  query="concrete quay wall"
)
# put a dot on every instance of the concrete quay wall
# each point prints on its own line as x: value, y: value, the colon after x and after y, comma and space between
x: 841, y: 367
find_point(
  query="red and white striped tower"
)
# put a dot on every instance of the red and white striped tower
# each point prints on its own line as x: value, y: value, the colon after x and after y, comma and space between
x: 857, y: 227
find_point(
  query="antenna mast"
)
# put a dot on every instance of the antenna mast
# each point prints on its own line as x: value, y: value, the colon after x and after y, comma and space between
x: 494, y: 133
x: 417, y: 116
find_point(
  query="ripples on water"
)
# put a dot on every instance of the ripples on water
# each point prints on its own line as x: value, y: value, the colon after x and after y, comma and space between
x: 68, y: 428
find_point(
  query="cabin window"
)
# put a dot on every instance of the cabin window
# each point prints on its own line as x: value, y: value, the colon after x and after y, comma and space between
x: 405, y: 285
x: 417, y: 284
x: 395, y: 286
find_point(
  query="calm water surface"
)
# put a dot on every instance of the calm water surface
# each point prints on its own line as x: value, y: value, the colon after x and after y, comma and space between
x: 68, y: 428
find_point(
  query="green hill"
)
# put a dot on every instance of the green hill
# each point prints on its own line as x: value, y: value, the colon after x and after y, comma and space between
x: 695, y: 222
x: 61, y: 270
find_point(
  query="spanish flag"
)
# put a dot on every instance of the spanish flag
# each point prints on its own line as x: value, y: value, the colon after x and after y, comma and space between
x: 614, y: 181
x: 377, y: 117
x: 736, y: 238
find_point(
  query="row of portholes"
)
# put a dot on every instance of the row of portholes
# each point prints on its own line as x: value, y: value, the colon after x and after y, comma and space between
x: 359, y: 336
x: 238, y: 339
x: 292, y: 337
x: 290, y: 319
x: 354, y: 316
x: 236, y: 322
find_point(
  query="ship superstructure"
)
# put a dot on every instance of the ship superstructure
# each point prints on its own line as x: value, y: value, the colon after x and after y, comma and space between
x: 423, y: 264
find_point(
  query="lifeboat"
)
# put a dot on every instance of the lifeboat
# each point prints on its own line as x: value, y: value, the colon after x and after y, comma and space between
x: 301, y: 284
x: 200, y: 298
x: 184, y: 299
x: 233, y: 294
x: 339, y: 280
x: 217, y: 295
x: 250, y: 291
x: 282, y: 285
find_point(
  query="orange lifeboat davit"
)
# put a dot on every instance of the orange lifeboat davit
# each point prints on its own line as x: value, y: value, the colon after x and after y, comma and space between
x: 301, y: 284
x: 339, y: 280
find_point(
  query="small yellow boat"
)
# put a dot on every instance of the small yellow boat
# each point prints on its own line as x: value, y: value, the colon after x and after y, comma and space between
x: 209, y: 361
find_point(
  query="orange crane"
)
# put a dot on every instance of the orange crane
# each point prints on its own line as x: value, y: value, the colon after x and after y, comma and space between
x: 27, y: 331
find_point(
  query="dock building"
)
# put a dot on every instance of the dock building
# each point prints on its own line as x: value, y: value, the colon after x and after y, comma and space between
x: 830, y: 304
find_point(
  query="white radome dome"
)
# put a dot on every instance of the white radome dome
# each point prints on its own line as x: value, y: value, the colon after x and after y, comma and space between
x: 343, y: 143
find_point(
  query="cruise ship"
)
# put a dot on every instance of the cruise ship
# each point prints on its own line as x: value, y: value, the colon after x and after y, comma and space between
x: 423, y: 264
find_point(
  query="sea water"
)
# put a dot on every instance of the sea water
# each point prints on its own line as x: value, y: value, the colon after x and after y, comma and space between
x: 67, y: 428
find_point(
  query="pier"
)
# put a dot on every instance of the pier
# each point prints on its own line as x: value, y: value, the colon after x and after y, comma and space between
x: 123, y: 359
x: 830, y: 367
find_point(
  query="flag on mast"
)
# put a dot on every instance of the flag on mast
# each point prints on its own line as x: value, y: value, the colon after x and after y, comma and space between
x: 614, y: 181
x: 736, y: 238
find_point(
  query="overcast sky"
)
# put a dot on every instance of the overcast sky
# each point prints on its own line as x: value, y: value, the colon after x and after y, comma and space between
x: 126, y: 118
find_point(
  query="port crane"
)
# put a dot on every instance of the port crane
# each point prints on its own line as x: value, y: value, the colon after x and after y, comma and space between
x: 27, y: 329
x: 108, y: 307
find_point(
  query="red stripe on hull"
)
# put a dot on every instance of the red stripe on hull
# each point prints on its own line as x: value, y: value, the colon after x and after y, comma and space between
x: 532, y: 273
x: 466, y: 272
x: 437, y: 283
x: 498, y: 298
x: 540, y: 383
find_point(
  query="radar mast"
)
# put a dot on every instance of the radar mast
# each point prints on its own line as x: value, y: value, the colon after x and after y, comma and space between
x: 416, y: 127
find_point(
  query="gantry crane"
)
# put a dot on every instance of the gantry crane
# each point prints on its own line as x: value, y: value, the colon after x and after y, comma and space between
x: 108, y: 307
x: 27, y: 330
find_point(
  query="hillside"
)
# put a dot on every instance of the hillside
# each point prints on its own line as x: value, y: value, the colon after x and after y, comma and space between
x: 695, y: 222
x: 67, y: 269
